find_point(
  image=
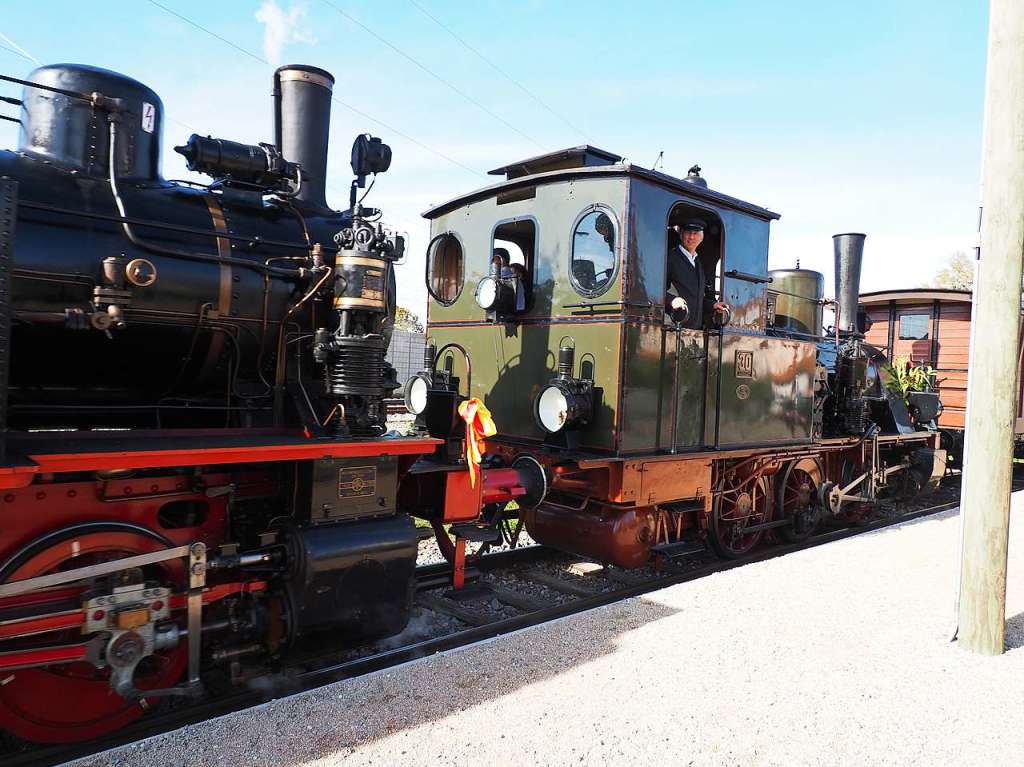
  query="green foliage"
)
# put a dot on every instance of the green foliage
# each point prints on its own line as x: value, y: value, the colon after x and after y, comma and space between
x: 905, y: 377
x: 406, y: 320
x: 957, y: 274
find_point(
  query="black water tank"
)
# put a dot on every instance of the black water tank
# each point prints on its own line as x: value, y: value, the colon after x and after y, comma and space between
x: 72, y: 134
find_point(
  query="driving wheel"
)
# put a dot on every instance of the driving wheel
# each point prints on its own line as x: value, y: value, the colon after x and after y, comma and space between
x: 796, y: 498
x: 742, y: 503
x: 70, y: 702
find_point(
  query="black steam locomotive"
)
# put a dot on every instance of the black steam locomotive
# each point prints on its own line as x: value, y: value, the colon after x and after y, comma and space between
x: 195, y: 472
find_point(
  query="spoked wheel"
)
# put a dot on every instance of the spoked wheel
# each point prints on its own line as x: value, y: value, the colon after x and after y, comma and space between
x: 73, y: 702
x: 742, y: 503
x: 796, y: 497
x: 852, y: 512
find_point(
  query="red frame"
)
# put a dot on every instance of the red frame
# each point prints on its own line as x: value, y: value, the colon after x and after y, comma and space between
x: 46, y: 463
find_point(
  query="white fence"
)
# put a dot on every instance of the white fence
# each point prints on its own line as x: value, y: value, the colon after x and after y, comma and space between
x: 406, y: 353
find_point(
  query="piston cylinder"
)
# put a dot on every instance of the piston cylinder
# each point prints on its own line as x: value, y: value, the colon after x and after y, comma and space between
x: 350, y: 580
x: 360, y: 281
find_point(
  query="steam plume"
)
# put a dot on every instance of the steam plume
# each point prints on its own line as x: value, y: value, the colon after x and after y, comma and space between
x: 281, y: 27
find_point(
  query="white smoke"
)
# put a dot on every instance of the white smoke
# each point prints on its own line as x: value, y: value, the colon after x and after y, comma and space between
x: 282, y: 27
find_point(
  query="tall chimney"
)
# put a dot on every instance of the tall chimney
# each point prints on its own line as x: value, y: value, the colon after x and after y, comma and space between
x: 849, y: 253
x: 302, y: 121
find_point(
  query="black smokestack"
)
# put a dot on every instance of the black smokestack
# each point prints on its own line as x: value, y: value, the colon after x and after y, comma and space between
x: 302, y: 121
x: 849, y: 253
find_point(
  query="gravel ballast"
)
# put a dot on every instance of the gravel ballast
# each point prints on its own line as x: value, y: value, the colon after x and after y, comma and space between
x: 837, y: 655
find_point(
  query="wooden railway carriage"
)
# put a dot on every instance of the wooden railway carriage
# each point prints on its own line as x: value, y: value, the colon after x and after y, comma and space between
x: 556, y: 277
x: 932, y: 326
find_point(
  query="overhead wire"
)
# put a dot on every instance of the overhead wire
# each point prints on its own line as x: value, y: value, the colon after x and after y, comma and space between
x: 334, y: 98
x: 18, y: 53
x: 432, y: 73
x: 186, y: 126
x: 24, y: 55
x: 211, y: 33
x: 20, y: 50
x: 497, y: 69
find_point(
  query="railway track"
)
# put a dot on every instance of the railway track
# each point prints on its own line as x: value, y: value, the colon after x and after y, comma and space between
x: 507, y: 591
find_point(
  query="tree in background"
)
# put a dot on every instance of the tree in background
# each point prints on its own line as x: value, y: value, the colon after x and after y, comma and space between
x: 406, y: 320
x: 957, y: 274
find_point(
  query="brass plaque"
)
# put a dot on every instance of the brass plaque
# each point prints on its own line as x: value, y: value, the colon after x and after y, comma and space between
x: 132, y: 619
x: 357, y: 481
x: 373, y: 285
x: 744, y: 363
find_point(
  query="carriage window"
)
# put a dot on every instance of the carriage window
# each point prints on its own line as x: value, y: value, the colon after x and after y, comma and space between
x: 914, y: 327
x: 444, y: 268
x: 593, y: 252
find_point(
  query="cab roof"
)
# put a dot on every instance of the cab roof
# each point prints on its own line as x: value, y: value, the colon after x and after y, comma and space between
x: 583, y: 156
x: 590, y: 162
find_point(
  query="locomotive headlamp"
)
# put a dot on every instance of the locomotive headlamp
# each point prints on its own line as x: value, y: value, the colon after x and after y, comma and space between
x: 565, y: 403
x: 553, y: 407
x: 370, y: 155
x: 495, y: 295
x: 417, y: 390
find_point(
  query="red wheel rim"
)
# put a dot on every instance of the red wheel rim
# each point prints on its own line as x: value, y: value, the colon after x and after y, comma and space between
x: 736, y: 509
x: 73, y: 701
x: 798, y: 501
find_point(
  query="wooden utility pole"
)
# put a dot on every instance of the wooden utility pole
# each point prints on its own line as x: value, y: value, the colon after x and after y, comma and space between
x: 991, y: 389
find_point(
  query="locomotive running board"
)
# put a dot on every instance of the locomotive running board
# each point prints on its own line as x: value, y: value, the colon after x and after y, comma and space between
x: 68, y: 452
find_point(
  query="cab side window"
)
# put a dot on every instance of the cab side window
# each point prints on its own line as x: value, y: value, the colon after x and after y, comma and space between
x: 445, y: 267
x: 514, y: 245
x: 594, y: 259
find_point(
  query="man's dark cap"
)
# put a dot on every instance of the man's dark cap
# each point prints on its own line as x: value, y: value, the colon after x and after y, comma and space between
x: 694, y: 225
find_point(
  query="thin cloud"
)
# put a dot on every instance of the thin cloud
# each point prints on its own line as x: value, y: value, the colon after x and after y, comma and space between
x: 281, y: 27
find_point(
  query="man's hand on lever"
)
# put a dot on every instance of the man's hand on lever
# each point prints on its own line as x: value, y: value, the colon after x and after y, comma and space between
x: 721, y: 313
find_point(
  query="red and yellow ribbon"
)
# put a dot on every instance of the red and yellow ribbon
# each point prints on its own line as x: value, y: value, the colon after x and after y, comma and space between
x: 479, y: 425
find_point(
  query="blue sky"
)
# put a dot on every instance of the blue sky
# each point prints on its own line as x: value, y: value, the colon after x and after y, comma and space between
x: 859, y: 116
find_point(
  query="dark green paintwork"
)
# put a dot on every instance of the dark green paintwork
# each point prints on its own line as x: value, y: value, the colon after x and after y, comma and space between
x: 510, y: 367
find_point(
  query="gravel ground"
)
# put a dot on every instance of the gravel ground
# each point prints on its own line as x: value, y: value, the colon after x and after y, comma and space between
x: 430, y: 554
x: 837, y: 655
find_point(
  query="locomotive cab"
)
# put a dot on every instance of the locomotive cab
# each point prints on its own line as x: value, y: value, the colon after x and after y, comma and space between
x: 593, y: 234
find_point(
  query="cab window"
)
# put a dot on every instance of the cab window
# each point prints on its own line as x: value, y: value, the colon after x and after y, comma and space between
x: 710, y: 250
x: 594, y: 239
x: 445, y: 264
x: 514, y: 245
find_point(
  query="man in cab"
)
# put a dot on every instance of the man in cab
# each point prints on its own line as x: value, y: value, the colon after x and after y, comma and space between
x: 690, y: 298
